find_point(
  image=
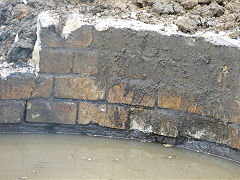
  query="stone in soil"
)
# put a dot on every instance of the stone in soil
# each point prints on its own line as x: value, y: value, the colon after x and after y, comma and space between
x: 189, y: 4
x: 213, y: 10
x: 187, y: 25
x: 167, y: 7
x: 20, y: 52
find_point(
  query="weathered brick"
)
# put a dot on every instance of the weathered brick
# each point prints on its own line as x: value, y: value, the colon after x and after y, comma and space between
x: 80, y: 38
x: 226, y: 109
x: 168, y: 123
x: 132, y: 92
x: 55, y: 61
x: 51, y: 111
x: 11, y: 111
x: 234, y: 135
x: 102, y: 114
x: 25, y: 86
x: 178, y: 99
x: 42, y: 86
x: 86, y: 63
x: 79, y: 88
x: 17, y: 87
x: 153, y: 121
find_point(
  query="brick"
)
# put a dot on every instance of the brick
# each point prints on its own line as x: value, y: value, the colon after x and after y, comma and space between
x: 168, y: 123
x: 51, y: 111
x: 42, y: 86
x: 226, y: 108
x: 17, y: 87
x: 86, y: 63
x: 134, y: 93
x: 81, y: 38
x: 11, y: 111
x: 178, y: 99
x: 153, y: 121
x: 74, y: 87
x: 234, y: 135
x: 26, y: 86
x: 55, y: 61
x: 102, y: 114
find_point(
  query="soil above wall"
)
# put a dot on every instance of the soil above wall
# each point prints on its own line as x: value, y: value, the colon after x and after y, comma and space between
x: 18, y: 18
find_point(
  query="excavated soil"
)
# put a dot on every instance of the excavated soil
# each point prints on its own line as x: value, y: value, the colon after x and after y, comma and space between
x: 18, y: 18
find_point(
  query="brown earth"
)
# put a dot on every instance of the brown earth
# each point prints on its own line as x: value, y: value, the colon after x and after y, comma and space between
x: 18, y: 19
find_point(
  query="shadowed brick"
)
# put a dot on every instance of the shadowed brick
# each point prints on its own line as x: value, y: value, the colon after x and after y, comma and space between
x: 81, y: 38
x: 55, y: 61
x: 86, y: 63
x: 11, y: 111
x: 51, y: 111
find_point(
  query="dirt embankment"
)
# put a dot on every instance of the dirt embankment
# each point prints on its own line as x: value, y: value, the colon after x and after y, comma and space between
x: 18, y: 18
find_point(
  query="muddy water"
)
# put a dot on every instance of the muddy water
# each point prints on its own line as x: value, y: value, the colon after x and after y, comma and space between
x: 79, y: 157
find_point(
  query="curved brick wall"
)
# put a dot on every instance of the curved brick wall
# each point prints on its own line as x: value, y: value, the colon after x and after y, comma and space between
x: 130, y: 80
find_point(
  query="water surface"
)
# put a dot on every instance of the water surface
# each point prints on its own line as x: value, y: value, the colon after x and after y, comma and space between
x: 79, y: 157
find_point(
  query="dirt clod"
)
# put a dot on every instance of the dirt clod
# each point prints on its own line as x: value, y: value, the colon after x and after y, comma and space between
x: 167, y: 7
x: 213, y: 10
x: 187, y: 25
x: 189, y: 4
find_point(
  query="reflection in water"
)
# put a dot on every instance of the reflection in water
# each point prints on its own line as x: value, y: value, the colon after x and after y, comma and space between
x: 79, y: 157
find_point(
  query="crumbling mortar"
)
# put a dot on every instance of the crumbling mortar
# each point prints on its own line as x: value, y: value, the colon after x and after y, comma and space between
x: 23, y: 119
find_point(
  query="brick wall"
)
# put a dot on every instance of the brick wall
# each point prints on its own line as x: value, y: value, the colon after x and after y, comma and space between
x: 126, y: 79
